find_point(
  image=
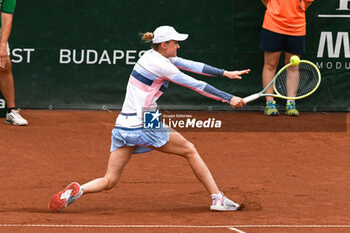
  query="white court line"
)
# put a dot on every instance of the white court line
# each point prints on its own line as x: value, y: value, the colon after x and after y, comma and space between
x: 236, y: 230
x: 172, y: 226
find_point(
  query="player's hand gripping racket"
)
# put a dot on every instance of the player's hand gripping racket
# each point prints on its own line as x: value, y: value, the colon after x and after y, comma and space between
x: 293, y: 81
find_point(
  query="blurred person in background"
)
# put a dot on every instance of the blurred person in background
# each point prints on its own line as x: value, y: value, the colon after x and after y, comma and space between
x: 7, y: 85
x: 283, y: 29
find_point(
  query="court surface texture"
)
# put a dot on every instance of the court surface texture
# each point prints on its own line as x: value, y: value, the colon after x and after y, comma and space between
x: 291, y: 173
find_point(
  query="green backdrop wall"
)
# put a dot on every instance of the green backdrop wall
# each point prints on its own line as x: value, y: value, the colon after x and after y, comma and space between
x: 79, y: 54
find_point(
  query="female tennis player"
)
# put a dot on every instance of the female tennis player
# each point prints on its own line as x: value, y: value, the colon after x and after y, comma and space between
x: 148, y: 81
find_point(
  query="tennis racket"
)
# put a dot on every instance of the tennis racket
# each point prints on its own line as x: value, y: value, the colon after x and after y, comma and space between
x: 292, y: 82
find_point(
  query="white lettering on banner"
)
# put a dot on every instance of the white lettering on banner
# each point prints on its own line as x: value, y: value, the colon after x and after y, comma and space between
x: 337, y: 44
x: 75, y: 60
x: 333, y: 65
x: 334, y: 50
x: 2, y: 103
x: 88, y: 53
x: 343, y: 5
x: 65, y: 56
x: 117, y: 55
x: 129, y: 56
x: 104, y: 58
x: 91, y: 56
x: 17, y: 55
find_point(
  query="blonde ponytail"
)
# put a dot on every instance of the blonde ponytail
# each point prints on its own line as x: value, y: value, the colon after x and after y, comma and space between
x: 147, y: 37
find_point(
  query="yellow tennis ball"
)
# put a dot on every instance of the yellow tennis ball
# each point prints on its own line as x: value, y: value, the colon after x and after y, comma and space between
x: 295, y: 60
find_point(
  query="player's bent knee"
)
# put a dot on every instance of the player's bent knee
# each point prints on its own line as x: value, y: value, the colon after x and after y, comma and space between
x: 110, y: 183
x: 190, y: 150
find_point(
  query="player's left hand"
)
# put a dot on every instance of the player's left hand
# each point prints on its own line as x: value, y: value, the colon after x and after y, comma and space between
x: 237, y: 102
x: 235, y: 74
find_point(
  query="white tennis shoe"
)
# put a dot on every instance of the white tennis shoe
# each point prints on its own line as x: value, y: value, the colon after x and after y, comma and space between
x: 14, y: 118
x: 222, y: 203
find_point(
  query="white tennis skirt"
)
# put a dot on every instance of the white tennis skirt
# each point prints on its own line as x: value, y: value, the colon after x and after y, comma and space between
x: 140, y: 137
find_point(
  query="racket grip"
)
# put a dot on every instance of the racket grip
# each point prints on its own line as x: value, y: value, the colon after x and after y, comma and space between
x: 251, y: 98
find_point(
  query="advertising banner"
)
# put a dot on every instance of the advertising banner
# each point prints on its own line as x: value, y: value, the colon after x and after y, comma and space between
x: 79, y: 54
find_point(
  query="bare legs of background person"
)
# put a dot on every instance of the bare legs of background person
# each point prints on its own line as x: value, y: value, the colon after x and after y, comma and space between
x: 271, y: 60
x: 7, y: 85
x: 7, y: 88
x: 292, y: 80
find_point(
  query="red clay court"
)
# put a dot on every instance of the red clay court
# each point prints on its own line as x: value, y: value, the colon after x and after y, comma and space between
x: 292, y: 174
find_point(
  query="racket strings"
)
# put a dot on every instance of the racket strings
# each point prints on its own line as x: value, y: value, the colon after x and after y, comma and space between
x: 296, y: 81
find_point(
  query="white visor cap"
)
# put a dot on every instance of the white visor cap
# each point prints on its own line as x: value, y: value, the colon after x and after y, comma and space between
x: 167, y: 33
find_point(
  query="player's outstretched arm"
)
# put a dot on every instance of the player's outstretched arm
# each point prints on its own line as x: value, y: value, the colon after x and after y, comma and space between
x: 235, y: 74
x: 204, y: 69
